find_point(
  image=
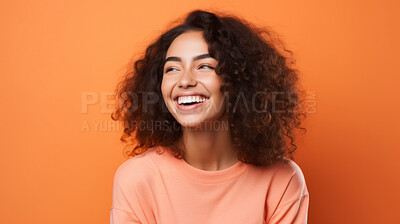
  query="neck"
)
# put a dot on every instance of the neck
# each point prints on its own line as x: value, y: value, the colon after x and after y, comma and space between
x: 208, y: 148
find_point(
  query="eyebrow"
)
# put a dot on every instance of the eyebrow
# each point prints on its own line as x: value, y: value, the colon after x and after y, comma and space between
x: 198, y: 57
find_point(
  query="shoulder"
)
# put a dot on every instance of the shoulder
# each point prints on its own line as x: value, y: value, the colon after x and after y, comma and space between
x: 288, y: 196
x: 296, y: 182
x: 287, y: 181
x: 284, y: 180
x: 282, y: 170
x: 289, y: 170
x: 136, y: 169
x: 131, y: 181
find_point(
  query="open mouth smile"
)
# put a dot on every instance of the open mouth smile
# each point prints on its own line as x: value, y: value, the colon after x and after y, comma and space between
x: 186, y: 103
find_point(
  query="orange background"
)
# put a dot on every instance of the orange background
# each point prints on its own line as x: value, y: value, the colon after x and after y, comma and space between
x: 59, y: 58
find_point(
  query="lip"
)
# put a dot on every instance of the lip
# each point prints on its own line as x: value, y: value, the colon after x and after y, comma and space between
x: 189, y: 107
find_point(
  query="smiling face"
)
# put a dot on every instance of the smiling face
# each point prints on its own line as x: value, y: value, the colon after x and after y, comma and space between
x: 190, y: 86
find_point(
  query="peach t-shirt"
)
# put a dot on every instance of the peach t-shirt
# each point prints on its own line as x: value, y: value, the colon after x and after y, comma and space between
x: 159, y: 188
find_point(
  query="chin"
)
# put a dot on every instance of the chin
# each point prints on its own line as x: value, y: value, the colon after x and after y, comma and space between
x: 190, y: 124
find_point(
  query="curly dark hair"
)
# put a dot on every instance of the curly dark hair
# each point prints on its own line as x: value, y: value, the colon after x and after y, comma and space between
x: 255, y: 67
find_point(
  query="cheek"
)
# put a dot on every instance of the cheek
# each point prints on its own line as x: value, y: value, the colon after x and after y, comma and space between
x: 215, y: 88
x: 166, y: 89
x: 163, y: 88
x: 214, y: 85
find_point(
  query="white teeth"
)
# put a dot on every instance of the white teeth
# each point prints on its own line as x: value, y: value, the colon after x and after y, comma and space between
x: 190, y: 99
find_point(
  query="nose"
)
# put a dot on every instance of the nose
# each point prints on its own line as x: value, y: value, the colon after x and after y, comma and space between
x: 186, y: 80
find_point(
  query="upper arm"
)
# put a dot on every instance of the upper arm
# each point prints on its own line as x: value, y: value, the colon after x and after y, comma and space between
x: 295, y: 212
x: 124, y: 197
x: 293, y: 204
x: 118, y: 216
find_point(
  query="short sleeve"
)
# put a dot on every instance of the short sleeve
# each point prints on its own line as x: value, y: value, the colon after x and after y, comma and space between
x: 293, y: 206
x: 295, y: 212
x: 118, y: 216
x: 123, y: 198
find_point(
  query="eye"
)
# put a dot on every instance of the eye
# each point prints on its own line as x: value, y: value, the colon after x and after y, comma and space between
x: 170, y: 69
x: 205, y: 66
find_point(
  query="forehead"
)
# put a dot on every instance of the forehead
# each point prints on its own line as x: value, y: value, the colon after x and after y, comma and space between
x: 188, y: 44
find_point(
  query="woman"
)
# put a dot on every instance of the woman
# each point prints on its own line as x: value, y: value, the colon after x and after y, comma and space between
x: 210, y: 110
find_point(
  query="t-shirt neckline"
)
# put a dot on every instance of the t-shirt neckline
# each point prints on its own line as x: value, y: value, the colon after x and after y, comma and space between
x: 205, y: 176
